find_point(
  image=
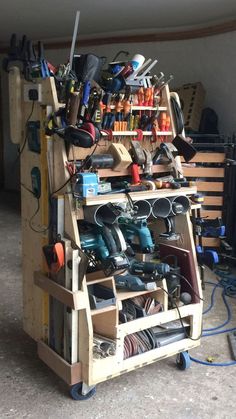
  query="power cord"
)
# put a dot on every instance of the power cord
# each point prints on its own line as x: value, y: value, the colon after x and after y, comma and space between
x: 35, y: 213
x: 190, y: 285
x: 74, y: 174
x: 180, y: 318
x: 228, y: 286
x: 26, y: 135
x: 179, y: 275
x: 20, y: 151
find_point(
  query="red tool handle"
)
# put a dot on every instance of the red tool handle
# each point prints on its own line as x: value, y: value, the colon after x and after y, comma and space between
x: 59, y: 256
x: 135, y: 174
x: 139, y: 136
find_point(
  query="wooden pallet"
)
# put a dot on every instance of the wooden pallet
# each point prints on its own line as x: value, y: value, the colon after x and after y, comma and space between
x: 208, y: 172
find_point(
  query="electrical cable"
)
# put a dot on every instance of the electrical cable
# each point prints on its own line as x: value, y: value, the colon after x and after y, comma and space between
x: 74, y: 174
x: 32, y: 217
x: 213, y: 364
x: 180, y: 318
x: 36, y: 212
x: 187, y: 281
x: 229, y: 315
x: 88, y: 158
x: 20, y: 151
x: 229, y: 289
x: 64, y: 184
x: 212, y: 300
x: 26, y: 135
x: 181, y: 321
x: 181, y: 276
x: 27, y: 189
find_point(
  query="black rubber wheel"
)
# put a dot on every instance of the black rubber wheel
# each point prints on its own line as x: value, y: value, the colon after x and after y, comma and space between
x: 183, y: 361
x: 76, y: 392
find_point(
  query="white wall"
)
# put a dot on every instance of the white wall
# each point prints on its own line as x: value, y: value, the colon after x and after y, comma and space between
x: 209, y: 60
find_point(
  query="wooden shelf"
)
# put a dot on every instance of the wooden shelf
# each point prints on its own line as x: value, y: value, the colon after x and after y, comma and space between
x: 196, y: 206
x: 102, y: 310
x: 134, y: 133
x: 121, y: 197
x: 125, y: 295
x: 157, y: 168
x: 144, y: 108
x: 96, y: 277
x: 157, y: 319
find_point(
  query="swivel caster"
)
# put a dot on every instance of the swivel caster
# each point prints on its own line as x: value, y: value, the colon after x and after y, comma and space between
x: 76, y: 392
x: 183, y: 361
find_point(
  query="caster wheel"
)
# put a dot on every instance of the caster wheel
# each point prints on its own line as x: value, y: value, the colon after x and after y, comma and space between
x: 183, y: 361
x: 76, y: 392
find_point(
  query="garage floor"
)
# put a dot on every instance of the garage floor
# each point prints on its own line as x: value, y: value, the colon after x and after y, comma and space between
x: 29, y: 389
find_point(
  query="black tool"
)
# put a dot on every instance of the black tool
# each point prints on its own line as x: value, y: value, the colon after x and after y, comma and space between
x: 184, y: 147
x: 138, y: 268
x: 180, y: 205
x: 87, y: 67
x: 99, y: 161
x: 137, y: 153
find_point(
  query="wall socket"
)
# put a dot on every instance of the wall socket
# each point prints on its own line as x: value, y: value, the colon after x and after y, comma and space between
x: 32, y: 86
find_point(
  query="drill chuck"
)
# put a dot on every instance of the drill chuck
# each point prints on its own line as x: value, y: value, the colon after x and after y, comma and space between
x: 149, y: 268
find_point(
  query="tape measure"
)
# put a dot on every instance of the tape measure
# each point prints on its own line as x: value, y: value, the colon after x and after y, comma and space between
x: 198, y: 198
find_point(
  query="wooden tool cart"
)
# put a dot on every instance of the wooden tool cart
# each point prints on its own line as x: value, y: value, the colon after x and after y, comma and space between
x: 57, y: 311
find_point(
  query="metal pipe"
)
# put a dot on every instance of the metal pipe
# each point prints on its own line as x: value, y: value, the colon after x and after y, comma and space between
x: 179, y: 205
x: 143, y: 209
x: 161, y: 207
x: 100, y: 214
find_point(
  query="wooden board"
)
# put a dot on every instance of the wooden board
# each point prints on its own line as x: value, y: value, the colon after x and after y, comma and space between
x: 207, y: 157
x: 74, y: 300
x: 15, y: 100
x: 108, y: 368
x: 210, y: 241
x: 100, y: 199
x: 216, y: 201
x: 211, y: 213
x: 204, y: 172
x: 156, y: 319
x: 33, y: 297
x: 203, y: 186
x: 104, y: 173
x: 126, y: 294
x: 71, y: 374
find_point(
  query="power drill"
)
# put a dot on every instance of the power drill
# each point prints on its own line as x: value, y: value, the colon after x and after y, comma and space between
x: 149, y: 268
x: 138, y: 230
x: 133, y: 283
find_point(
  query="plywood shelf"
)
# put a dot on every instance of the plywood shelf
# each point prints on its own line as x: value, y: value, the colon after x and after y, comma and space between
x: 157, y: 168
x: 102, y: 310
x: 125, y: 295
x: 145, y: 133
x: 121, y: 197
x: 144, y: 108
x: 157, y: 319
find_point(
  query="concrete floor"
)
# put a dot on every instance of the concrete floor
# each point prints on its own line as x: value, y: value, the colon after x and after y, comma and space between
x: 28, y: 389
